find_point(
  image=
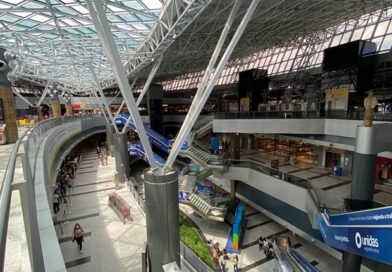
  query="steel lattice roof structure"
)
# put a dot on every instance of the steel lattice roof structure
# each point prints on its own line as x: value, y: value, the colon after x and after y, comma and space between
x: 56, y: 41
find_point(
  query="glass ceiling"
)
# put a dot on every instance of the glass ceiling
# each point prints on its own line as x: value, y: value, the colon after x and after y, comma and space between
x: 51, y: 36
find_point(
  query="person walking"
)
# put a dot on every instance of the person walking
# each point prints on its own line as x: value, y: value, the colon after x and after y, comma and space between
x: 265, y: 246
x: 223, y: 265
x: 260, y: 242
x: 235, y: 263
x: 78, y: 236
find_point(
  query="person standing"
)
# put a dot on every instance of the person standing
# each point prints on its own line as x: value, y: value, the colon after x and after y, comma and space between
x: 260, y: 242
x: 235, y: 263
x: 56, y: 203
x: 223, y: 265
x: 78, y: 236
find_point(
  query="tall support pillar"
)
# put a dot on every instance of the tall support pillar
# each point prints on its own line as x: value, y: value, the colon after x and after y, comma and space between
x: 8, y: 101
x: 235, y: 144
x: 362, y: 184
x: 161, y: 191
x: 154, y: 104
x: 68, y: 109
x: 39, y: 113
x: 109, y: 139
x: 121, y: 155
x: 55, y: 105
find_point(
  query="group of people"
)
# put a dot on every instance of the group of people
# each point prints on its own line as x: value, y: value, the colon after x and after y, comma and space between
x: 266, y: 247
x: 64, y: 181
x: 220, y: 256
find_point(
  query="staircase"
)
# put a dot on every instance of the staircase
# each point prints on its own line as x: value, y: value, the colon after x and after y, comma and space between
x: 200, y: 205
x: 199, y: 155
x: 187, y: 183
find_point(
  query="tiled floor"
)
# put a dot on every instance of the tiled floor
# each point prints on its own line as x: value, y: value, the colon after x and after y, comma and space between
x: 110, y: 245
x: 337, y: 187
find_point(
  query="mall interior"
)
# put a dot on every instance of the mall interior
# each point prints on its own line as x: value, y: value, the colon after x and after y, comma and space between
x: 195, y: 135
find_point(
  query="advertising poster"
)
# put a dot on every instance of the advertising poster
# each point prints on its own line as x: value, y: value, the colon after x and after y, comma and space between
x: 370, y: 241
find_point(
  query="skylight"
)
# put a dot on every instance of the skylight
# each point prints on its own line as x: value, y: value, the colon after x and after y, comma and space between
x: 115, y: 9
x: 80, y: 9
x: 152, y: 4
x: 40, y: 18
x: 15, y: 2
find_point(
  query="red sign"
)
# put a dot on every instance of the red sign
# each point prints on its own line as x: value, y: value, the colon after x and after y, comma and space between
x: 76, y: 106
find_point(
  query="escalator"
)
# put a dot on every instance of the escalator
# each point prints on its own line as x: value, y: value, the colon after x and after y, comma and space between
x: 196, y: 152
x: 203, y: 126
x: 289, y: 259
x: 155, y: 138
x: 137, y: 150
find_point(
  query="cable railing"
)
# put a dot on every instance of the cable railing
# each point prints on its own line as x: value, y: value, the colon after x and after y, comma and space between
x: 334, y: 114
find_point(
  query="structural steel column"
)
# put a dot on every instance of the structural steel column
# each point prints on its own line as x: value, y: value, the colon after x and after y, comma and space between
x: 362, y: 184
x: 103, y: 98
x: 101, y: 24
x: 235, y: 146
x: 145, y: 88
x: 8, y: 101
x: 163, y: 239
x: 121, y: 155
x: 187, y: 125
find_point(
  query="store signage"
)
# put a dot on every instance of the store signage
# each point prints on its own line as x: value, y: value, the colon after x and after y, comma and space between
x: 380, y: 216
x: 370, y: 241
x: 336, y: 93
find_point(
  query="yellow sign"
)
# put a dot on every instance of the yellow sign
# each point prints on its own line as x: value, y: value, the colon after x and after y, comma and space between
x: 336, y: 93
x: 244, y: 104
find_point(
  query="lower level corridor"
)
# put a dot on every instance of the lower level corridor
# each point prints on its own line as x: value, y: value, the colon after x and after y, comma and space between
x: 109, y: 244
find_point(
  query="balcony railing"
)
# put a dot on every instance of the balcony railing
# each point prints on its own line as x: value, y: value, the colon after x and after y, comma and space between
x: 346, y: 115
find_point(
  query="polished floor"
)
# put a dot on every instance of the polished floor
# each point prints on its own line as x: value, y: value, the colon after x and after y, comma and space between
x: 110, y: 245
x: 333, y: 189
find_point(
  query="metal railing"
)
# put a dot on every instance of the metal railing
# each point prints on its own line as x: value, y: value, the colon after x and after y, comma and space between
x: 306, y: 184
x: 5, y: 198
x: 193, y: 260
x: 336, y: 114
x: 276, y: 173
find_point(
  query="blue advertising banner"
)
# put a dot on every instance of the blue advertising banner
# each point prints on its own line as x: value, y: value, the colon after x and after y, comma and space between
x: 379, y: 216
x: 372, y: 242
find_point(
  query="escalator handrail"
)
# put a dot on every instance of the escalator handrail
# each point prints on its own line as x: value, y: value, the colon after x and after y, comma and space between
x: 283, y: 262
x: 301, y: 261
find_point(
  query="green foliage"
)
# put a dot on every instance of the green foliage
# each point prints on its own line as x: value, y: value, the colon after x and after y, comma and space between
x: 190, y: 237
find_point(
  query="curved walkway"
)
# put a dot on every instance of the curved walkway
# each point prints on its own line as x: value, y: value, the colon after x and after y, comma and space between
x: 109, y: 244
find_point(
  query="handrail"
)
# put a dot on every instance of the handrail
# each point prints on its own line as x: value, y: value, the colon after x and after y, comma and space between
x: 335, y: 114
x: 5, y: 198
x: 304, y: 183
x: 301, y: 182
